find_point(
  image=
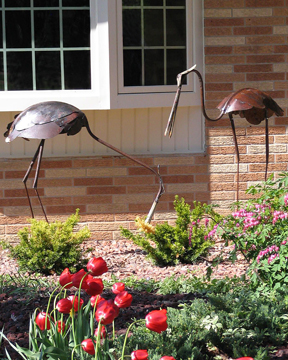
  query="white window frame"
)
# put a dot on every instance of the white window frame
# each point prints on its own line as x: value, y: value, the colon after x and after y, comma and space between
x: 107, y: 68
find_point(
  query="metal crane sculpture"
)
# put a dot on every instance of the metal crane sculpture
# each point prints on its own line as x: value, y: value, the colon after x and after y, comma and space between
x: 252, y: 104
x: 48, y: 119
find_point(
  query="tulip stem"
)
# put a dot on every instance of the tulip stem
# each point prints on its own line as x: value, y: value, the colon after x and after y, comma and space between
x: 126, y: 337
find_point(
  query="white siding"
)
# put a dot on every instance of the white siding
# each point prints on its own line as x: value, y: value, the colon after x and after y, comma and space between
x: 135, y: 131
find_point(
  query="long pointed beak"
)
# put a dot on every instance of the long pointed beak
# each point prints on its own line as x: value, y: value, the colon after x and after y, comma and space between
x: 172, y: 116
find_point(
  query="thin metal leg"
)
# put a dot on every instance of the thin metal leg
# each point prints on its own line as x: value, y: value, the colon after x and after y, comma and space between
x: 267, y: 143
x: 237, y: 154
x: 161, y: 185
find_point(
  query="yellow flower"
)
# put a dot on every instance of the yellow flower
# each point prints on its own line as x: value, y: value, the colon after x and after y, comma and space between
x: 143, y: 226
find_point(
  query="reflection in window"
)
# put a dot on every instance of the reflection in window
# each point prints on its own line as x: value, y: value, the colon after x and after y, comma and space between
x: 45, y: 45
x: 154, y: 41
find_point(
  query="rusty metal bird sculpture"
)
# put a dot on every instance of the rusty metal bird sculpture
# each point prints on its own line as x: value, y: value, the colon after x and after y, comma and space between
x: 48, y: 119
x: 252, y: 104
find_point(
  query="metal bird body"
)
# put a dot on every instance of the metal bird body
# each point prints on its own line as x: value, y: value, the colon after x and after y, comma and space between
x: 48, y: 119
x: 252, y: 104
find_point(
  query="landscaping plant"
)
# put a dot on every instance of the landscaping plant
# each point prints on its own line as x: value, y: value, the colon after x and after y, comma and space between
x: 68, y: 329
x: 259, y: 230
x: 183, y: 243
x: 50, y: 248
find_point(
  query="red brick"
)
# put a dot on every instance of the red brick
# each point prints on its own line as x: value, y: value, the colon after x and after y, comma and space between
x: 264, y: 3
x: 144, y: 171
x: 253, y: 49
x: 218, y: 4
x: 280, y: 12
x: 138, y: 189
x: 105, y: 190
x: 219, y: 87
x: 55, y: 182
x: 22, y: 192
x: 225, y: 150
x: 218, y: 50
x: 220, y: 31
x: 105, y: 161
x: 123, y: 161
x: 56, y: 164
x: 178, y: 179
x: 258, y: 21
x: 93, y: 181
x: 265, y: 76
x: 281, y: 49
x: 93, y: 199
x: 222, y: 78
x: 15, y: 174
x: 253, y: 68
x: 14, y: 202
x: 133, y: 180
x: 253, y: 30
x: 67, y: 200
x: 224, y: 22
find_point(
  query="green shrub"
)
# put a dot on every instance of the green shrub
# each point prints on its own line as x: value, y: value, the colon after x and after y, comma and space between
x: 48, y: 248
x: 185, y: 242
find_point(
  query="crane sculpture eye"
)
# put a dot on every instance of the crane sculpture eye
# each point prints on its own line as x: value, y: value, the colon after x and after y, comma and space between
x: 252, y: 104
x: 48, y: 119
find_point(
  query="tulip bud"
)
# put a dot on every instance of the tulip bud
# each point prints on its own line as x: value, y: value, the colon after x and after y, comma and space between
x: 65, y: 278
x: 74, y: 300
x: 123, y: 299
x: 156, y: 320
x: 94, y: 287
x: 76, y: 279
x: 97, y: 266
x: 106, y: 312
x: 139, y: 355
x: 118, y: 287
x: 41, y: 319
x: 97, y: 299
x: 167, y: 358
x: 88, y: 346
x: 64, y: 306
x: 103, y: 333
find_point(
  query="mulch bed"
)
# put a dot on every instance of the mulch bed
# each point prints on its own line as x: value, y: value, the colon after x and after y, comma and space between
x: 124, y: 259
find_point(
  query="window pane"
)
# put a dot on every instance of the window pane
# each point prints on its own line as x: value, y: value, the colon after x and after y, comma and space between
x: 19, y: 70
x: 176, y: 27
x: 48, y: 72
x: 76, y: 28
x: 47, y: 29
x: 153, y: 2
x: 132, y: 68
x: 130, y: 2
x: 18, y: 36
x: 77, y: 69
x: 1, y: 73
x: 153, y: 28
x: 175, y: 2
x: 154, y: 67
x: 17, y: 3
x: 176, y: 63
x: 75, y: 3
x: 46, y: 3
x: 131, y: 27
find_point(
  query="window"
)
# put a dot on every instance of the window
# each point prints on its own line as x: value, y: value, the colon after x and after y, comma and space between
x: 45, y: 45
x: 154, y: 41
x: 98, y: 54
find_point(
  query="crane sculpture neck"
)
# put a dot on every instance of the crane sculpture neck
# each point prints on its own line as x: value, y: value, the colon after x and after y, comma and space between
x: 202, y: 98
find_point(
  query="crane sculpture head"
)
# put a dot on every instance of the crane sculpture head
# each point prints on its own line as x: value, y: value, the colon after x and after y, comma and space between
x: 252, y: 104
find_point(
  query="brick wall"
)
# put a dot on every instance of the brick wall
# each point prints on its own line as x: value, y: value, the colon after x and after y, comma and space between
x: 245, y: 46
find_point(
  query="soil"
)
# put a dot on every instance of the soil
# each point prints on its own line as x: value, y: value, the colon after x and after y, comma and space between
x: 124, y: 259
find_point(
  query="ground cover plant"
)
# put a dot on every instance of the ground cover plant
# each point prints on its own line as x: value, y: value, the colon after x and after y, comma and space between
x: 49, y: 248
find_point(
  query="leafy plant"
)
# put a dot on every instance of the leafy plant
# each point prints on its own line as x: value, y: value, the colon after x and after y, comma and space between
x: 49, y: 248
x: 259, y: 230
x: 185, y: 242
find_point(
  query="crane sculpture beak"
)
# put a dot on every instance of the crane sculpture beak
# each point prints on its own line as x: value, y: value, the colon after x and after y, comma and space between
x: 172, y: 117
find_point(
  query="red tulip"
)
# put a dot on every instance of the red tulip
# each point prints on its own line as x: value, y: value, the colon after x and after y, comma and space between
x: 118, y: 287
x: 106, y: 312
x: 94, y: 286
x: 103, y: 333
x: 65, y: 278
x: 41, y: 319
x: 123, y: 299
x: 64, y: 306
x: 156, y: 320
x: 95, y: 298
x: 71, y: 298
x: 97, y: 266
x: 60, y: 326
x: 167, y: 358
x: 88, y: 346
x: 245, y: 358
x: 76, y: 279
x: 139, y: 355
